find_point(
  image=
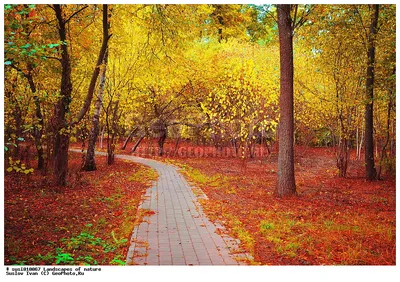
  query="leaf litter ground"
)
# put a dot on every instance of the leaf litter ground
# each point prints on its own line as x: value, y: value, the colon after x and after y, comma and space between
x: 333, y: 221
x: 88, y: 222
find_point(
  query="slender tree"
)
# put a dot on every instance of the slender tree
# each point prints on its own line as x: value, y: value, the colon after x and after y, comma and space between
x: 61, y: 127
x: 286, y: 181
x: 90, y: 163
x: 369, y: 107
x: 38, y: 129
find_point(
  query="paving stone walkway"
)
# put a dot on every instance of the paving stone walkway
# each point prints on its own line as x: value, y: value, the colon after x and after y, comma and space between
x: 178, y: 233
x: 174, y: 230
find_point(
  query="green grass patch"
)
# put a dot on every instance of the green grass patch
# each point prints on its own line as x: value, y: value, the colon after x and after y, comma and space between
x: 80, y: 250
x: 266, y: 226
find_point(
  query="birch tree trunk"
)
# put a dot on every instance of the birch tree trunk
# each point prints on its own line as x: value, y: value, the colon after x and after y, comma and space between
x: 61, y: 127
x: 90, y: 162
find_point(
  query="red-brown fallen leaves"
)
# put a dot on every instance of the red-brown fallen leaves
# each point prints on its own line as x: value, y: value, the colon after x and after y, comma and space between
x: 332, y: 220
x: 90, y: 220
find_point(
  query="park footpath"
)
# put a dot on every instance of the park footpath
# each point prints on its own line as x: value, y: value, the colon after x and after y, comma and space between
x: 173, y: 229
x: 176, y: 231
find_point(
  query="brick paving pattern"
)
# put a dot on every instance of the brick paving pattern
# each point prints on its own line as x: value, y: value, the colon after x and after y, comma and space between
x: 178, y: 233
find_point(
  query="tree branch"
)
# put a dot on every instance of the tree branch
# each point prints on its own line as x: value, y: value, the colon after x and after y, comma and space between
x: 357, y: 12
x: 19, y: 70
x: 294, y: 17
x: 173, y: 98
x: 303, y: 17
x: 77, y: 12
x: 50, y: 6
x: 96, y: 71
x: 54, y: 58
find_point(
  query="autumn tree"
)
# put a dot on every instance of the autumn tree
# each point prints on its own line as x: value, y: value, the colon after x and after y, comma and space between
x: 384, y: 89
x: 159, y: 70
x: 332, y: 53
x: 286, y: 182
x: 229, y: 21
x: 239, y: 109
x: 61, y: 126
x: 208, y: 73
x: 61, y: 137
x: 24, y: 55
x: 90, y: 163
x: 369, y: 107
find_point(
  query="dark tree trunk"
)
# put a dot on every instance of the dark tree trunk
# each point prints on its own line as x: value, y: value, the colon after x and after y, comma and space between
x: 220, y: 22
x: 161, y: 141
x: 286, y: 181
x: 17, y: 115
x: 111, y: 132
x: 129, y: 138
x: 384, y: 147
x: 60, y: 127
x: 38, y: 134
x: 110, y: 150
x: 383, y: 152
x: 137, y: 144
x: 114, y: 132
x: 161, y: 130
x: 18, y: 125
x: 38, y: 129
x: 252, y: 149
x: 177, y: 145
x: 342, y: 158
x: 90, y: 162
x: 235, y: 147
x: 369, y: 107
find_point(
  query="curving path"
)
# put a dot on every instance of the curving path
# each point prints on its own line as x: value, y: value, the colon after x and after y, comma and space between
x: 177, y: 232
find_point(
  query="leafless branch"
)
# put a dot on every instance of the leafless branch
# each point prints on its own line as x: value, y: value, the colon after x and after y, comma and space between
x: 357, y: 12
x: 51, y: 7
x: 19, y: 70
x: 54, y: 58
x: 77, y: 12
